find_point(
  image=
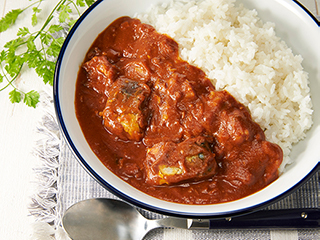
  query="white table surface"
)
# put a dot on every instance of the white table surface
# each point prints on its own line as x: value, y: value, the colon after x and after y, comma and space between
x: 18, y: 136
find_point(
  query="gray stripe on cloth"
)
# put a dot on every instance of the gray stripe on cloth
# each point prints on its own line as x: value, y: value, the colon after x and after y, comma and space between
x: 75, y: 184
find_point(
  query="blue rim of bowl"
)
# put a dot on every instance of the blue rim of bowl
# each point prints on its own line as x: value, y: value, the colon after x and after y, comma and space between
x: 127, y: 198
x: 308, y: 12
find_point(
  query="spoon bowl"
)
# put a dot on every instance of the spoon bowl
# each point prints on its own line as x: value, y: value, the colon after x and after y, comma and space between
x: 104, y: 217
x: 100, y: 219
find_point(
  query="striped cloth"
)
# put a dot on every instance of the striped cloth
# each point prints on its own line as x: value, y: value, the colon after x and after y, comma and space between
x: 75, y: 184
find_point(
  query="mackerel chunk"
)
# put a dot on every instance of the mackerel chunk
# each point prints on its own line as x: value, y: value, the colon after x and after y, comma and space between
x: 122, y: 115
x: 170, y: 163
x: 100, y: 73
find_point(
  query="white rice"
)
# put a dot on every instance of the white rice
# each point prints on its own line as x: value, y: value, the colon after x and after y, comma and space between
x: 242, y: 55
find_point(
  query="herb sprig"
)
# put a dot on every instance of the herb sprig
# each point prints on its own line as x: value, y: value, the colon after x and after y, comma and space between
x: 37, y: 50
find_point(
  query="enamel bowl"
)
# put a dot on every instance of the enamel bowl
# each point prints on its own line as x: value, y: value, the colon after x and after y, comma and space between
x: 294, y: 24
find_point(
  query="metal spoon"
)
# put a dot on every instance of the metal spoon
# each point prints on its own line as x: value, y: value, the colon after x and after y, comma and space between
x: 98, y: 219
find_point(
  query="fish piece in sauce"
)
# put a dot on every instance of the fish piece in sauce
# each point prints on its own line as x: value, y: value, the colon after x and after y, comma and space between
x: 101, y: 74
x: 169, y: 162
x: 122, y: 115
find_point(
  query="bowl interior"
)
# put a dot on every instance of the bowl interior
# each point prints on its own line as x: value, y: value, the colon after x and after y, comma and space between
x: 293, y: 25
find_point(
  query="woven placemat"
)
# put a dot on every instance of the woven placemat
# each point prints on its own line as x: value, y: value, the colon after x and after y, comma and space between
x: 75, y: 184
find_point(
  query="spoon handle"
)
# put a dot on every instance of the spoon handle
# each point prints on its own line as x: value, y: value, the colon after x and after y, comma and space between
x: 284, y: 219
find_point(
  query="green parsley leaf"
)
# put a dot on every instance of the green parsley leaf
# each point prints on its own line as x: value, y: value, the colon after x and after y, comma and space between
x: 89, y: 2
x: 33, y: 58
x: 55, y: 28
x: 15, y: 96
x: 64, y: 13
x: 36, y: 10
x: 34, y: 18
x: 31, y: 98
x: 80, y: 3
x: 23, y: 32
x: 45, y: 70
x: 15, y: 65
x: 9, y: 19
x: 30, y: 44
x: 37, y: 49
x: 3, y: 56
x: 14, y: 44
x: 45, y: 38
x: 54, y: 48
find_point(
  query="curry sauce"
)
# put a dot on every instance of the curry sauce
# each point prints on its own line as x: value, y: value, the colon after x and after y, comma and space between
x: 158, y: 123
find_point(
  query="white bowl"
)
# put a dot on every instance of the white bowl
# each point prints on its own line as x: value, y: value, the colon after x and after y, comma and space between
x: 294, y: 24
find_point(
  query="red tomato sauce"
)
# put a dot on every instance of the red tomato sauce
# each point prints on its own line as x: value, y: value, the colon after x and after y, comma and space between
x: 158, y: 123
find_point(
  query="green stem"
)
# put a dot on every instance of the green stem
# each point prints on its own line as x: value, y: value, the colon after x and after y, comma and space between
x: 10, y: 81
x: 49, y: 18
x: 61, y: 2
x: 24, y: 40
x: 76, y: 7
x: 39, y: 2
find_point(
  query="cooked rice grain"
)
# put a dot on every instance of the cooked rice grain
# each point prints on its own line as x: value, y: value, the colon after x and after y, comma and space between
x: 242, y: 55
